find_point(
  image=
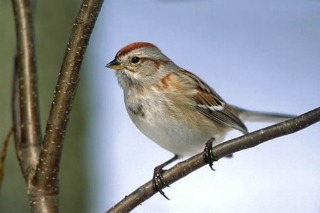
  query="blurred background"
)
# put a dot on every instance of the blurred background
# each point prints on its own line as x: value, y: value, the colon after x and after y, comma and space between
x: 261, y: 55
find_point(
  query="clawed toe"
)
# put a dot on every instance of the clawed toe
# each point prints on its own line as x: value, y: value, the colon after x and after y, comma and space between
x: 208, y: 155
x: 158, y: 182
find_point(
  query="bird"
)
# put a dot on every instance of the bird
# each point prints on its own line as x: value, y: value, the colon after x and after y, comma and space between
x: 174, y: 107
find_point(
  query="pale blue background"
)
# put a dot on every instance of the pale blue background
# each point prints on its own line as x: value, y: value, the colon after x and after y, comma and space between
x: 262, y: 55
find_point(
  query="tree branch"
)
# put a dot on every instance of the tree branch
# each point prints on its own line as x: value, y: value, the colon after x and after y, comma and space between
x: 250, y: 140
x: 3, y: 154
x: 25, y: 103
x: 44, y: 185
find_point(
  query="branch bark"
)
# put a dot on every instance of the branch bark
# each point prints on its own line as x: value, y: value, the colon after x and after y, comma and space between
x: 250, y: 140
x: 40, y: 164
x: 25, y: 102
x: 44, y: 184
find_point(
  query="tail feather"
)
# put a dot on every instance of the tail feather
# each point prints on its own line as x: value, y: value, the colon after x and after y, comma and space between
x: 256, y: 116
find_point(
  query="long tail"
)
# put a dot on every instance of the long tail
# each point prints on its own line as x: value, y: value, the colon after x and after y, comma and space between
x: 256, y: 116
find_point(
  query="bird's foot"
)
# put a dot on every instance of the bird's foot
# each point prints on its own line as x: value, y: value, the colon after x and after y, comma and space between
x: 208, y: 155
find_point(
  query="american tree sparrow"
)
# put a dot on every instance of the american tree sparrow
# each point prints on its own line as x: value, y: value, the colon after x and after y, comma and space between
x: 174, y: 107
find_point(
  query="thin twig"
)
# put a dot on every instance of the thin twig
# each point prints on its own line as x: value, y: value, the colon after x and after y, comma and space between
x: 45, y: 180
x: 3, y: 154
x: 25, y: 92
x: 244, y: 142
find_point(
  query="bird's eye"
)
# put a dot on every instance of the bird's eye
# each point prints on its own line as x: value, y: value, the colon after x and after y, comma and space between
x: 135, y: 59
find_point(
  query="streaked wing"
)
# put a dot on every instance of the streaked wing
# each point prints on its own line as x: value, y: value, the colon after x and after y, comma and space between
x: 210, y: 104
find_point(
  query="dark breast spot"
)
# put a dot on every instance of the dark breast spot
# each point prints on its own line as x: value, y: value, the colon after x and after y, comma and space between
x: 137, y: 110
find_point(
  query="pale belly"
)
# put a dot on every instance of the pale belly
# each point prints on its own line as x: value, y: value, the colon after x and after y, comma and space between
x: 174, y: 135
x: 177, y: 139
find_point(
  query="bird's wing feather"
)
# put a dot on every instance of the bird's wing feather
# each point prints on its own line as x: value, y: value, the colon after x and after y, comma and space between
x: 211, y: 105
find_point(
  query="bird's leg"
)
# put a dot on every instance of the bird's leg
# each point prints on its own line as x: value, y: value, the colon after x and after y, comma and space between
x: 208, y: 155
x: 157, y: 180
